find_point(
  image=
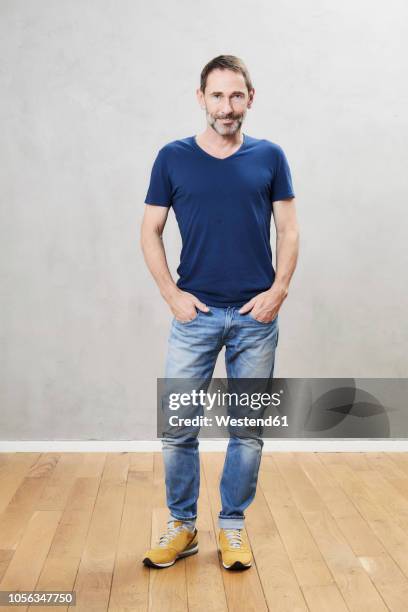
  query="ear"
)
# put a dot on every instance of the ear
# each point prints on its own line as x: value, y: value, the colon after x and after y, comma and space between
x: 251, y: 98
x: 200, y: 98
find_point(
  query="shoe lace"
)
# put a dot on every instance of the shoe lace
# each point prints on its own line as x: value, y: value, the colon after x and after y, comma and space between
x: 172, y: 532
x: 234, y: 537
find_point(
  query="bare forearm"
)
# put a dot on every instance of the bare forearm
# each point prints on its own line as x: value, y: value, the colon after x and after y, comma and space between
x: 155, y: 258
x: 287, y: 249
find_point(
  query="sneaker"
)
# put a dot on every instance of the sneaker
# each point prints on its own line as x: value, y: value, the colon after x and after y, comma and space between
x: 234, y: 548
x: 179, y: 541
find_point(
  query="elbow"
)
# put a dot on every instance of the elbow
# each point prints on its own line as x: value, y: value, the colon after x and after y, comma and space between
x: 291, y: 231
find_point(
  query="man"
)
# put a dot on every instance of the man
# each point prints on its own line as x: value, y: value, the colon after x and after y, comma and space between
x: 224, y: 187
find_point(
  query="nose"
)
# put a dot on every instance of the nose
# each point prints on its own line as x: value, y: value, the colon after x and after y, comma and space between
x: 227, y: 108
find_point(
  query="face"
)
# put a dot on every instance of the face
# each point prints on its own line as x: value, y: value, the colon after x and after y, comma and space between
x: 225, y: 100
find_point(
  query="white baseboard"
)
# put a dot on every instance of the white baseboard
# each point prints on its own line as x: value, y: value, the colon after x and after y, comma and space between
x: 146, y: 446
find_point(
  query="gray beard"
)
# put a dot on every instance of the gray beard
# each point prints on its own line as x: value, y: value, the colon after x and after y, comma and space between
x: 225, y: 130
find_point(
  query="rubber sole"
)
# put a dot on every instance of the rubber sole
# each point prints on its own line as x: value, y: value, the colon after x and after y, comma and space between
x: 237, y: 566
x: 186, y: 553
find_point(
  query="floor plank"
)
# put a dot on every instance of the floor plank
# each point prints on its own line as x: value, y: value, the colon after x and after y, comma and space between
x: 93, y: 580
x: 204, y: 568
x: 130, y: 584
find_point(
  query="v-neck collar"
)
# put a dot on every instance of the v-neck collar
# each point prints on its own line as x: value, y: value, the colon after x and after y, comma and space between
x: 221, y: 159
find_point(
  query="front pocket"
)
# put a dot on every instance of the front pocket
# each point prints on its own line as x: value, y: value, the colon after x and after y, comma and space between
x: 188, y: 322
x: 261, y: 322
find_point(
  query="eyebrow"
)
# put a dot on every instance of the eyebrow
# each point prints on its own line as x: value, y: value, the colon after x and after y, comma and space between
x: 221, y: 92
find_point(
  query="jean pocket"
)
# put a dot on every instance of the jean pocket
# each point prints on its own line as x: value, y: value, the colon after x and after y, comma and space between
x: 188, y: 322
x: 262, y: 322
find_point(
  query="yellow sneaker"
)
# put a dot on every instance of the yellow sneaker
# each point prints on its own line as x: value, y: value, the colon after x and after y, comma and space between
x: 176, y: 543
x: 234, y: 548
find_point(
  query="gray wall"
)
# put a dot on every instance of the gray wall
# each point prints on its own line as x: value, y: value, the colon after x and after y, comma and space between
x: 89, y: 92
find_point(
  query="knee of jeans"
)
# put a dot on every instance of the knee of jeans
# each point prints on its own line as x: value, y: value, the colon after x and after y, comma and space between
x: 249, y: 441
x: 189, y: 440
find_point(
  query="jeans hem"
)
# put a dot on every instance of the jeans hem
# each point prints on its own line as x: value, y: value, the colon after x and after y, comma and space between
x: 231, y: 523
x: 182, y: 518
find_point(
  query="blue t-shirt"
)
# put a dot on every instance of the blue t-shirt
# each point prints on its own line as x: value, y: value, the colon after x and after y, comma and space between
x: 223, y: 209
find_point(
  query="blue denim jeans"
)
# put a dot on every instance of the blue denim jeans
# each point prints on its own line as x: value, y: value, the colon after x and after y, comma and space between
x: 193, y: 348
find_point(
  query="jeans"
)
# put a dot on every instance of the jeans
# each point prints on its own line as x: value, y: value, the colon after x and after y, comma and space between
x: 193, y: 348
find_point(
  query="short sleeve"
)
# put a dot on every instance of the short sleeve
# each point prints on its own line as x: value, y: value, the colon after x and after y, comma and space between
x: 160, y: 188
x: 282, y: 186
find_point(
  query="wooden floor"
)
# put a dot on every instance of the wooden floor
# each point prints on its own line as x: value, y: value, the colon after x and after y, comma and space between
x: 329, y: 532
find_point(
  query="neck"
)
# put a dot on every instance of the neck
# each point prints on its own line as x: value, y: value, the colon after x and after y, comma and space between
x: 220, y: 141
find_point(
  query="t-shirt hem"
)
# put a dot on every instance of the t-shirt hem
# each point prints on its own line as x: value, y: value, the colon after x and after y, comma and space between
x: 210, y: 302
x: 157, y: 203
x: 224, y: 304
x: 283, y: 196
